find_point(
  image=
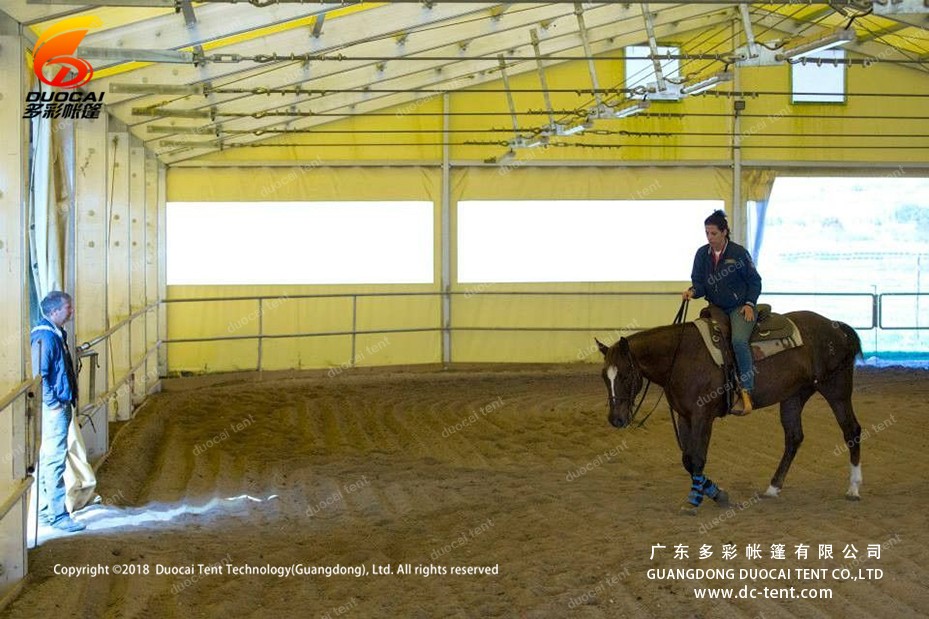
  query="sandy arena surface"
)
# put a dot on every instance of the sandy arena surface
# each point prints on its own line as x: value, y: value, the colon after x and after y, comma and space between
x: 512, y: 469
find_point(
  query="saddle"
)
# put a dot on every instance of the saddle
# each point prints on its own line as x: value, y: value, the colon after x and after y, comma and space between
x: 773, y: 333
x: 768, y: 327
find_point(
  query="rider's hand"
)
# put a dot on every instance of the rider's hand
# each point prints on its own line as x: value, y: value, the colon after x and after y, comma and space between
x: 688, y: 294
x: 748, y: 313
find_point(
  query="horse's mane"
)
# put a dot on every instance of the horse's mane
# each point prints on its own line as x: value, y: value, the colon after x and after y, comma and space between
x: 659, y: 330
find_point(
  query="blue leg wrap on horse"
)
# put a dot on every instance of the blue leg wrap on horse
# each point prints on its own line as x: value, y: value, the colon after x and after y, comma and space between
x: 695, y: 497
x: 710, y: 489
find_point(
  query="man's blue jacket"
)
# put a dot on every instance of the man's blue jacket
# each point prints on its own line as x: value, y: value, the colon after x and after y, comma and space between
x: 51, y: 359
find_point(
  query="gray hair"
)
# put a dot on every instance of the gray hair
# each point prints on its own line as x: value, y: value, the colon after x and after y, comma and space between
x: 54, y: 300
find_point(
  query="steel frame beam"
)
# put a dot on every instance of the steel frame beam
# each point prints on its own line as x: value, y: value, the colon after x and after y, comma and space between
x: 675, y: 25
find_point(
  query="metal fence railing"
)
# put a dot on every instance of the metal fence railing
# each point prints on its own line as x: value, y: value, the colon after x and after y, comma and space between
x: 862, y: 311
x: 903, y: 310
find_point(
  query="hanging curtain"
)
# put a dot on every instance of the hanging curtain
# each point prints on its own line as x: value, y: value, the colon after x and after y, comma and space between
x: 49, y: 216
x: 47, y: 230
x: 757, y: 185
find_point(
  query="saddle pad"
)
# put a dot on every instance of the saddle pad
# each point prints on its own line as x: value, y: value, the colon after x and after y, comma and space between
x: 760, y: 349
x: 706, y: 332
x: 771, y: 345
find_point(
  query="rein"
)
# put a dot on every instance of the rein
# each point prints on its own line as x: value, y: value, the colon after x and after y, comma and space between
x: 679, y: 319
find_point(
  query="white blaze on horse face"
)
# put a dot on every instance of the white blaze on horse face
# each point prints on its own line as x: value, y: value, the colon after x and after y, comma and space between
x: 612, y: 373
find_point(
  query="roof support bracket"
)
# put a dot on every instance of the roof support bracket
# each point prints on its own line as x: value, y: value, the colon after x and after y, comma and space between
x: 509, y: 94
x: 187, y: 10
x: 538, y: 61
x: 518, y: 140
x: 579, y: 12
x: 138, y: 55
x: 496, y: 12
x: 653, y: 46
x: 749, y: 33
x: 318, y: 25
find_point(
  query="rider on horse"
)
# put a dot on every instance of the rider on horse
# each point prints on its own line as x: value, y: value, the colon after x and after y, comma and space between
x: 724, y: 273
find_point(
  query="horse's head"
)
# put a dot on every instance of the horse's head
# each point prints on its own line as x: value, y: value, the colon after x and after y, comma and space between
x: 623, y: 381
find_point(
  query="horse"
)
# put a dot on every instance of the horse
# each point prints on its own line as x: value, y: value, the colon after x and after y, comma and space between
x: 676, y: 358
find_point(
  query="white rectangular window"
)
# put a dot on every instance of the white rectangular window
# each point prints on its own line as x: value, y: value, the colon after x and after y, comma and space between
x: 299, y: 243
x: 825, y: 237
x: 580, y: 240
x: 641, y: 71
x: 826, y: 79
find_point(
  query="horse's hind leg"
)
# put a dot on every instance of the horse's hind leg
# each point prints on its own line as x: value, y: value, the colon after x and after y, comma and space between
x: 793, y: 436
x: 840, y: 400
x: 851, y: 431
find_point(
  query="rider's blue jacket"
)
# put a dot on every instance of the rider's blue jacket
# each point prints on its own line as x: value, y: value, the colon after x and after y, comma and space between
x: 730, y: 283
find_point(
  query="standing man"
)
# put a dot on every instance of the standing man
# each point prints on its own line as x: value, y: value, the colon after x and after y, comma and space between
x: 51, y: 359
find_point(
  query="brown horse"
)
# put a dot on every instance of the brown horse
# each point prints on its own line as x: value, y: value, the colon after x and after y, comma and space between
x: 676, y: 358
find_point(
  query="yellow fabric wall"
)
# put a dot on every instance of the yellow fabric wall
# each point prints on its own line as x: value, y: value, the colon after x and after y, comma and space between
x: 304, y: 170
x: 477, y: 310
x: 283, y: 311
x: 780, y: 116
x: 764, y: 115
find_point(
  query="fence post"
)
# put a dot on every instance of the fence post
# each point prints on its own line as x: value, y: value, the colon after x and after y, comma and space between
x: 354, y: 325
x: 261, y: 331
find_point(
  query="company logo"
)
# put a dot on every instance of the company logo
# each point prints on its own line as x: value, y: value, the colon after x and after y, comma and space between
x: 57, y: 46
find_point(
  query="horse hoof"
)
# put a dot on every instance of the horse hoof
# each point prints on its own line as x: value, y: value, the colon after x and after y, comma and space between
x: 688, y: 510
x: 852, y: 497
x: 722, y: 499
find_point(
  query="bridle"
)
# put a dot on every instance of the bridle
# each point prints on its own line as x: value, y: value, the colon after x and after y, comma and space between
x: 634, y: 386
x: 636, y: 383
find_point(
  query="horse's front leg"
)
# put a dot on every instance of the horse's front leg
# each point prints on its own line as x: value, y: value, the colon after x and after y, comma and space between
x: 695, y: 440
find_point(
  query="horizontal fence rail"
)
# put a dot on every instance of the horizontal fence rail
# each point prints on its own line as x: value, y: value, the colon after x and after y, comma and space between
x: 89, y: 353
x: 902, y: 307
x: 862, y: 311
x: 122, y: 323
x: 12, y: 500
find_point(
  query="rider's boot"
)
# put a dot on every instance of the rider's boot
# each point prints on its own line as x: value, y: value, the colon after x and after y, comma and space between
x: 743, y: 406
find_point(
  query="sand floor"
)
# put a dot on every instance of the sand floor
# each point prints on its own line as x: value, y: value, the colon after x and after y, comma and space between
x: 511, y: 470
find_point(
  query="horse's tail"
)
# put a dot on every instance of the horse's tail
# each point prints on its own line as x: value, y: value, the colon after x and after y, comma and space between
x: 853, y: 339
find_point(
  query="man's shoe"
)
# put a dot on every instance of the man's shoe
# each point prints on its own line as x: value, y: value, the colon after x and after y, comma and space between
x: 743, y: 406
x: 68, y: 524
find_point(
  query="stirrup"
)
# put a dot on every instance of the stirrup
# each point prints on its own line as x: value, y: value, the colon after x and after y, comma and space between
x: 746, y: 405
